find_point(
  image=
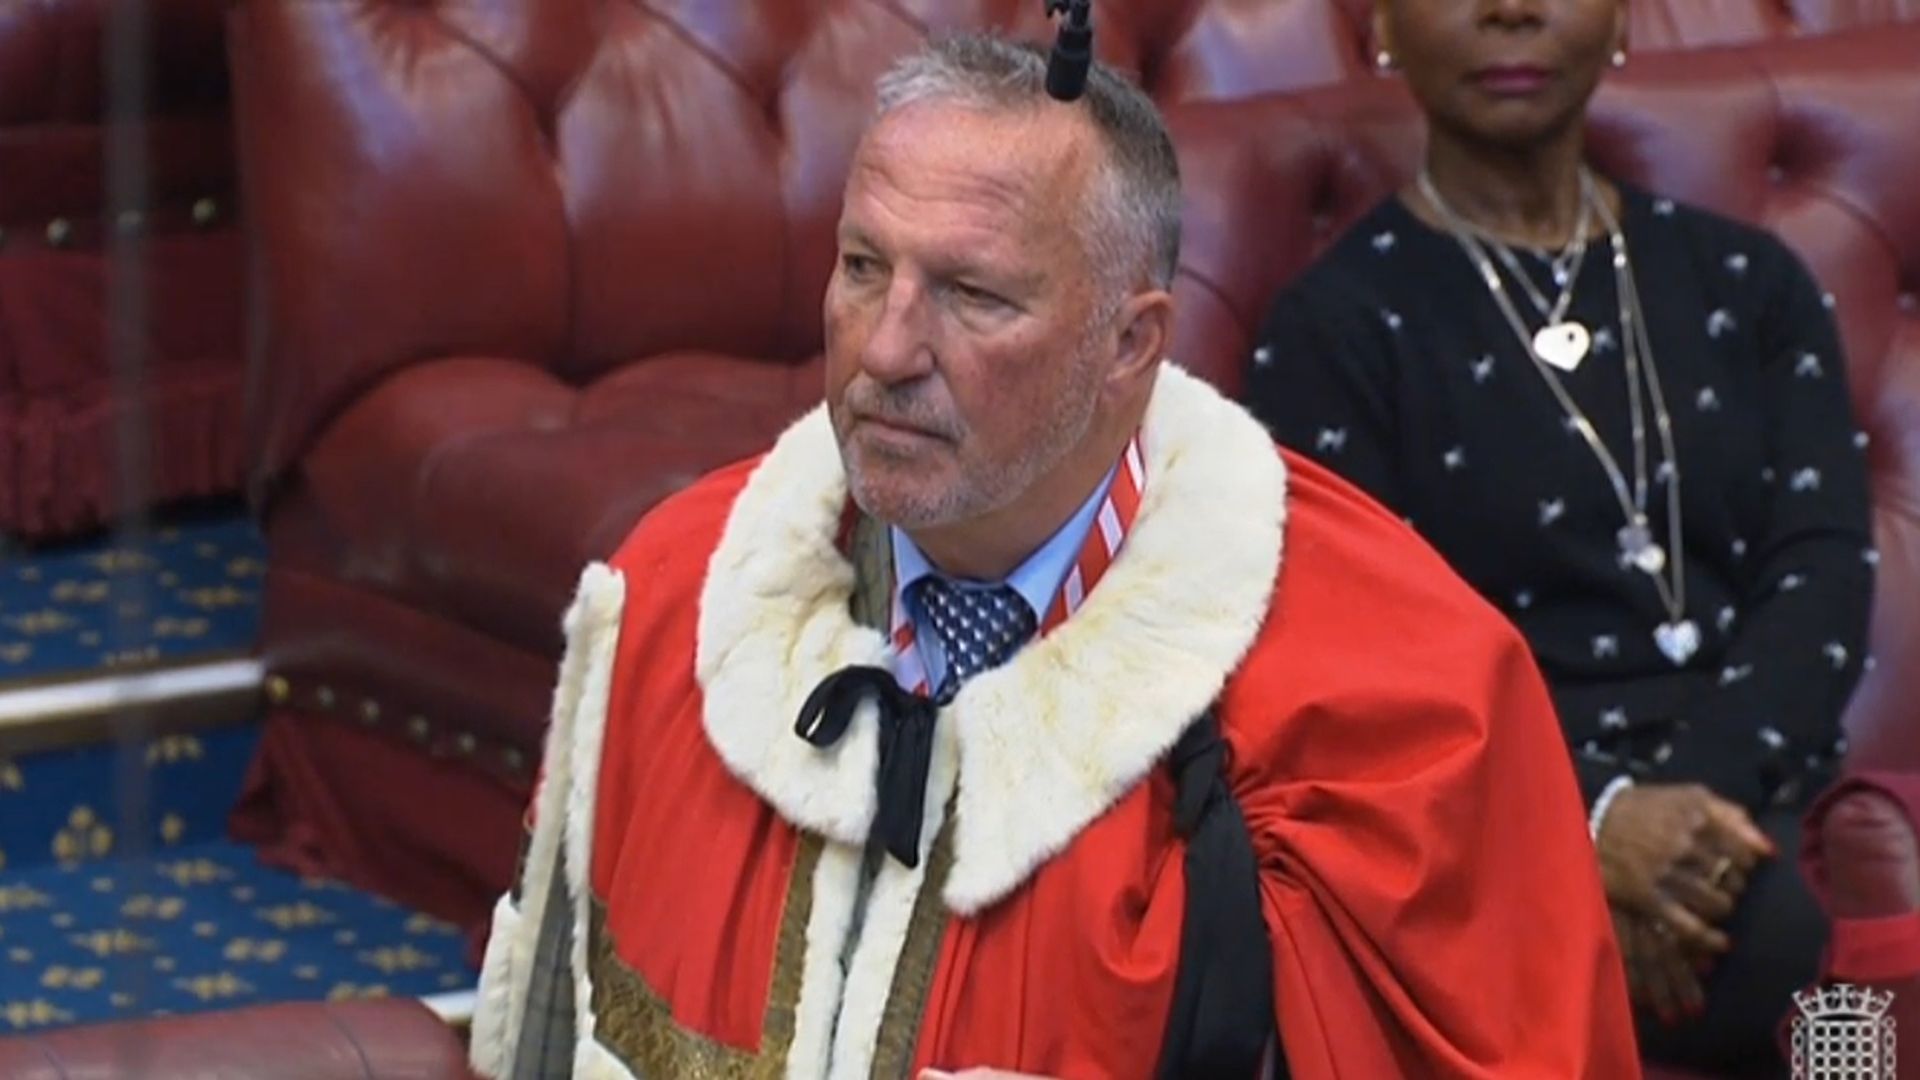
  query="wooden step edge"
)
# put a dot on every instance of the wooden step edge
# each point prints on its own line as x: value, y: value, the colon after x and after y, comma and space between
x: 130, y: 705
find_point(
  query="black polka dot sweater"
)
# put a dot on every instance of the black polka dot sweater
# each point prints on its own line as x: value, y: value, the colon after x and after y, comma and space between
x: 1390, y: 362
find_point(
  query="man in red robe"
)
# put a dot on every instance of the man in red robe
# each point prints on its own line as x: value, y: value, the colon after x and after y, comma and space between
x: 1025, y: 709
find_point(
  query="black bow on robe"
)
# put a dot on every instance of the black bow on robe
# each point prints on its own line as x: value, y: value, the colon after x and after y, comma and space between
x: 906, y: 748
x: 1221, y: 1023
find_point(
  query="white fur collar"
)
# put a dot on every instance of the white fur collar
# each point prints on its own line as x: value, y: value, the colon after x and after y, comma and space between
x: 1051, y: 740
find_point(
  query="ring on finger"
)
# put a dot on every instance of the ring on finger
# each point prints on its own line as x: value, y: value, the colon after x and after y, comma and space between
x: 1718, y: 875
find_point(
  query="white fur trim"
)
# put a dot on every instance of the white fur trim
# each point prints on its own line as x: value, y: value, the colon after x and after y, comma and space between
x: 603, y: 596
x: 774, y: 621
x: 592, y: 630
x: 593, y: 1061
x: 836, y: 885
x: 501, y: 1001
x: 1051, y: 740
x: 1048, y: 742
x: 884, y: 933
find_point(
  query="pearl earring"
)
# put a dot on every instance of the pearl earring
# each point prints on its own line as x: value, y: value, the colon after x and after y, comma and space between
x: 1383, y: 60
x: 1619, y: 58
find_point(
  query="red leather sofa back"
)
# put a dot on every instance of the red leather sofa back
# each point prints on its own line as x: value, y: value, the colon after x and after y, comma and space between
x: 630, y: 180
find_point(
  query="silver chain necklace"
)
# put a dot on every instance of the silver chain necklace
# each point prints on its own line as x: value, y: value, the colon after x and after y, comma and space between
x: 1564, y: 267
x: 1560, y: 345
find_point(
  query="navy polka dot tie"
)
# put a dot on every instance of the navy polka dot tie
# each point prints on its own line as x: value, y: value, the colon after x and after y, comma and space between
x: 979, y: 627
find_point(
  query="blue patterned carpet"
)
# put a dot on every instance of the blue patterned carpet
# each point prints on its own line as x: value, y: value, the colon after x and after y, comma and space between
x: 96, y: 925
x: 192, y: 589
x: 73, y: 806
x: 203, y: 927
x: 119, y: 894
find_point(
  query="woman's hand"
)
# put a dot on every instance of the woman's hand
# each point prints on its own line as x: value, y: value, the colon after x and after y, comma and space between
x: 1680, y: 856
x: 1661, y: 976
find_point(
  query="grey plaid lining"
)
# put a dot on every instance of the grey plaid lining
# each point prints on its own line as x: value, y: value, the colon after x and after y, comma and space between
x: 544, y: 1049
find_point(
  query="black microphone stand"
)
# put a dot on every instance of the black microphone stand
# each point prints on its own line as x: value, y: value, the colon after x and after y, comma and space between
x: 1072, y: 53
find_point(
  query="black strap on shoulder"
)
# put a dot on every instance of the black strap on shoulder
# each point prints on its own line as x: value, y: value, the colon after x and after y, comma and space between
x: 1222, y: 1020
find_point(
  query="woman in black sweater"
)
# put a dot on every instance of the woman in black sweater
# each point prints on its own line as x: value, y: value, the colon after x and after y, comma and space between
x: 1626, y: 422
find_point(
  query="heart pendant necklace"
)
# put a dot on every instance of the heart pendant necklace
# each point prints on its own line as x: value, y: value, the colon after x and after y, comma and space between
x: 1678, y: 637
x: 1562, y: 344
x: 1559, y: 347
x: 1678, y: 640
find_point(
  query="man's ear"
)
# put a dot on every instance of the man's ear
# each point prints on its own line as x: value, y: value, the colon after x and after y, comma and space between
x: 1146, y: 336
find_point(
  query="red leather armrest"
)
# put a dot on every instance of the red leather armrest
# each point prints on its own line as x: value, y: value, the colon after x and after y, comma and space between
x: 344, y: 1041
x: 1866, y: 859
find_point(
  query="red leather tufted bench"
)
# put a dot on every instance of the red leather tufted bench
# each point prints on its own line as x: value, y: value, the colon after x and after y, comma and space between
x: 374, y: 1040
x: 59, y: 402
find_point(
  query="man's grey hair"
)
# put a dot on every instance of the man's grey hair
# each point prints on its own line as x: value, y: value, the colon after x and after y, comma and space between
x: 1131, y: 224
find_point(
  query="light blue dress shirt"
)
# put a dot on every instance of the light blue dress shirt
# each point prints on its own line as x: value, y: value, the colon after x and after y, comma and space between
x: 1037, y: 579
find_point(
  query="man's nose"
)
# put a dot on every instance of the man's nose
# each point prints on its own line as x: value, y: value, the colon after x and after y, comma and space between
x: 899, y: 347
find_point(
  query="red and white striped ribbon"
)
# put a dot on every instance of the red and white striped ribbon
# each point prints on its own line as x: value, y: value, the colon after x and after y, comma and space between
x: 1109, y: 531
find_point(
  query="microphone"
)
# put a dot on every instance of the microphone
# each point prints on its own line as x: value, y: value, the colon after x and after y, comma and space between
x: 1072, y: 53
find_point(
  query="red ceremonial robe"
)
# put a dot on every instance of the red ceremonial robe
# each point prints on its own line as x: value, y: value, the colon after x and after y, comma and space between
x: 1431, y: 895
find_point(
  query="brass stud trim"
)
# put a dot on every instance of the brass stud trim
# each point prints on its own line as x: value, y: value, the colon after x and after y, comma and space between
x: 59, y: 231
x: 370, y: 711
x: 205, y: 211
x: 418, y: 727
x: 324, y: 696
x: 465, y: 743
x: 278, y: 689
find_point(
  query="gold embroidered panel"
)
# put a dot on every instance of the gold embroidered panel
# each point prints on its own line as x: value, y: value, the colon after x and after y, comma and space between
x: 637, y: 1025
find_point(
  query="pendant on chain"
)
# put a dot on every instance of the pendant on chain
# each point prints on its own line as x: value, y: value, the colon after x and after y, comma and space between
x: 1562, y: 344
x: 1678, y: 640
x: 1638, y: 549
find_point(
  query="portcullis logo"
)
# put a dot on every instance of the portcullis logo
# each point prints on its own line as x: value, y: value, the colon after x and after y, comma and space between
x: 1843, y: 1033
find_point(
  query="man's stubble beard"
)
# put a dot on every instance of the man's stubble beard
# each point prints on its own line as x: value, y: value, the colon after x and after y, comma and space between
x: 980, y: 491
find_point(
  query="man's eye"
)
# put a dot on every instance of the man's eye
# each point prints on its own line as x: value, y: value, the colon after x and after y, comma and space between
x: 858, y: 267
x: 979, y: 297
